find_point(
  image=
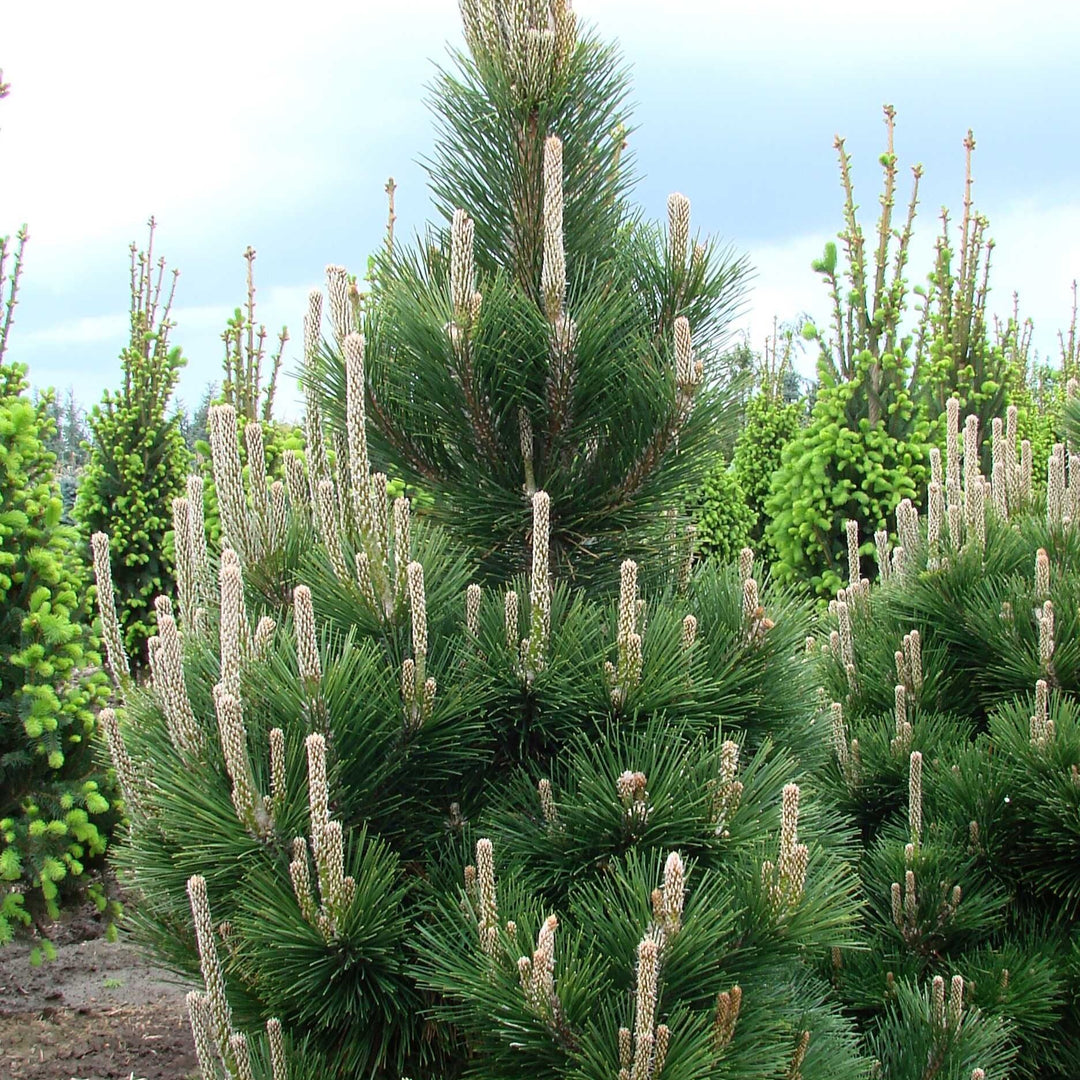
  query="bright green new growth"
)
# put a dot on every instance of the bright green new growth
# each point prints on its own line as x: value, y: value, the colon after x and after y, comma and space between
x: 138, y: 461
x: 55, y: 812
x: 883, y: 391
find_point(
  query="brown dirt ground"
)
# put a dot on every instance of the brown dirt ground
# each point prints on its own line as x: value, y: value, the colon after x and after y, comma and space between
x: 99, y: 1011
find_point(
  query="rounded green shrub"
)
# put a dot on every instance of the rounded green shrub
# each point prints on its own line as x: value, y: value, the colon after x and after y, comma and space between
x: 842, y: 467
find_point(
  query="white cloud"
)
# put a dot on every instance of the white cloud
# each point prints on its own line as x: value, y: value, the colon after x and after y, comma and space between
x: 1036, y: 254
x: 210, y: 113
x: 190, y: 111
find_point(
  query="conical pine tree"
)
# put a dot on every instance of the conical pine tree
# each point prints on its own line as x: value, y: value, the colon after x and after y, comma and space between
x: 396, y: 822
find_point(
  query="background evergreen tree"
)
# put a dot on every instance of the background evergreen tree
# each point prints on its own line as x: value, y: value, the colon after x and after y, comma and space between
x: 883, y: 386
x: 865, y: 446
x: 68, y: 443
x: 721, y: 514
x: 138, y: 461
x: 771, y: 419
x: 54, y: 809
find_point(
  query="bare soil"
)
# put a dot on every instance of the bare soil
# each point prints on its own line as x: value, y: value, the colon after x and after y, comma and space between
x: 99, y: 1011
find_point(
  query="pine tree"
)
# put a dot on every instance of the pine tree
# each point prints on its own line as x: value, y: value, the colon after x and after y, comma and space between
x: 544, y: 336
x: 138, y: 460
x: 397, y: 822
x: 950, y: 697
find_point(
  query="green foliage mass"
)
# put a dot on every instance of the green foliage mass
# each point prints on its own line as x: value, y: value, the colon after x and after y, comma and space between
x: 769, y: 424
x: 468, y: 795
x: 722, y: 516
x: 55, y: 809
x: 989, y: 707
x: 843, y: 466
x: 401, y: 985
x: 138, y: 461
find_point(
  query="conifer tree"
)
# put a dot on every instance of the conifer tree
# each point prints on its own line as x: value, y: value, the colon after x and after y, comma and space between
x: 396, y: 822
x: 138, y: 459
x: 55, y: 809
x: 884, y: 384
x: 544, y: 336
x: 950, y: 699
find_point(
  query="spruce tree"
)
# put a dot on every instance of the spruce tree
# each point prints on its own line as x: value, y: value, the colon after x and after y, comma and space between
x: 138, y: 460
x: 396, y: 822
x: 884, y: 384
x: 55, y: 809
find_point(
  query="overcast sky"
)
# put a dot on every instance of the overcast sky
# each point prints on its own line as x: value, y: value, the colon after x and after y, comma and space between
x: 276, y: 125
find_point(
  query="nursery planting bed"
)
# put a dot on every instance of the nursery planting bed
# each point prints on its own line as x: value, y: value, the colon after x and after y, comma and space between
x: 99, y: 1011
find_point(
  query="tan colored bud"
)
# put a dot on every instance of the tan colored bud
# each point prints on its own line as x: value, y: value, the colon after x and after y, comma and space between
x: 1042, y: 575
x: 511, y: 620
x: 307, y: 642
x: 746, y: 564
x: 678, y: 230
x: 915, y: 795
x: 854, y: 567
x: 418, y: 606
x: 279, y: 1069
x: 228, y: 478
x: 685, y: 378
x: 115, y: 652
x: 170, y: 686
x: 402, y: 544
x: 952, y: 444
x: 462, y: 267
x: 125, y: 770
x: 489, y: 908
x: 202, y: 1031
x: 1046, y: 634
x: 472, y: 610
x: 547, y: 803
x: 337, y: 290
x: 209, y: 964
x: 553, y: 271
x: 1055, y: 485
